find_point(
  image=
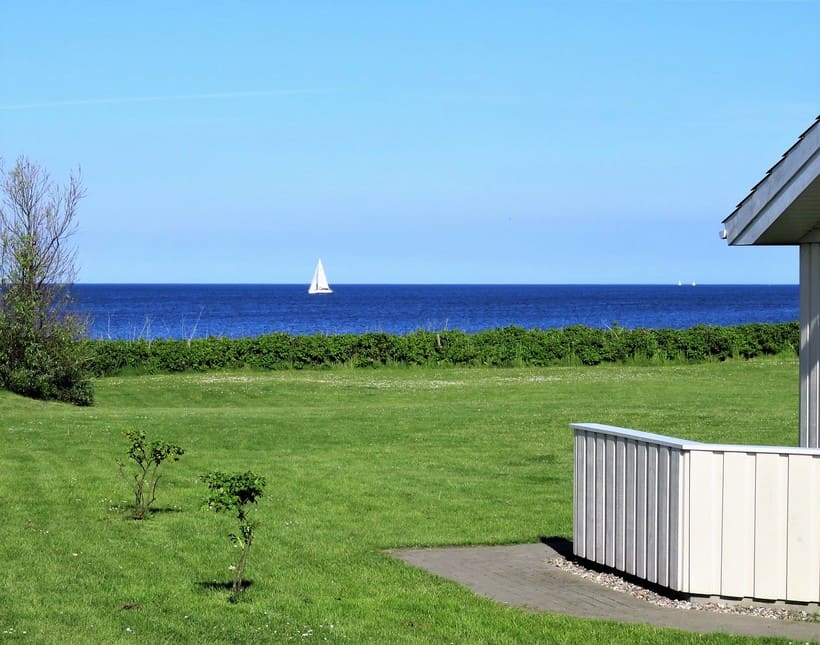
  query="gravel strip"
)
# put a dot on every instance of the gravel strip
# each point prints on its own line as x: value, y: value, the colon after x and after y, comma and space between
x: 617, y: 583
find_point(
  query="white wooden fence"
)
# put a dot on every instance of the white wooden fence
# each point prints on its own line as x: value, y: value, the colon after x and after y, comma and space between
x: 701, y: 519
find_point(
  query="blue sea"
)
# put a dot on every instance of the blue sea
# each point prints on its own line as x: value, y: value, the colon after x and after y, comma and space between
x: 132, y: 311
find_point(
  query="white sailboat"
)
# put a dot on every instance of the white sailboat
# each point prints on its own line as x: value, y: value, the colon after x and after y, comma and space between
x: 319, y: 283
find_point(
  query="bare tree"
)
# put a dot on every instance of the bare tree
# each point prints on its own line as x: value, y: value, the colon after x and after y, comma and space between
x: 38, y: 333
x: 37, y: 220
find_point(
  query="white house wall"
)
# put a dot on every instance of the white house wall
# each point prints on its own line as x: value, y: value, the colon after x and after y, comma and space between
x: 810, y: 345
x: 627, y: 505
x: 701, y: 519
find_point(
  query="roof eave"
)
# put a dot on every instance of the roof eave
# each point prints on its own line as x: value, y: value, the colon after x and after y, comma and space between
x: 771, y: 213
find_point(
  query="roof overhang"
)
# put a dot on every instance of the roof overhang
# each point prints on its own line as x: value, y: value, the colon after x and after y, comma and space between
x: 784, y: 207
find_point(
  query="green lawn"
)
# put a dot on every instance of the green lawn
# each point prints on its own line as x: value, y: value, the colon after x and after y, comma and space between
x: 356, y: 461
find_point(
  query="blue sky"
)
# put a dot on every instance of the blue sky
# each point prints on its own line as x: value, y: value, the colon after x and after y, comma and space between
x: 411, y: 142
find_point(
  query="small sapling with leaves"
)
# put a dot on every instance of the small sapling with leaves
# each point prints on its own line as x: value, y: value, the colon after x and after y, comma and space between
x: 148, y: 458
x: 233, y: 493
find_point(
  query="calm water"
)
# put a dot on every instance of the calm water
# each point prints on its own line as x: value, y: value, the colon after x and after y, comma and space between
x: 194, y: 311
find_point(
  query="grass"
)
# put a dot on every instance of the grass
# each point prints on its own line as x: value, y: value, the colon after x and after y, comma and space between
x: 356, y: 461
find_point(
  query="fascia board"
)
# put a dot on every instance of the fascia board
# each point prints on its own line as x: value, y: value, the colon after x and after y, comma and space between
x: 769, y: 199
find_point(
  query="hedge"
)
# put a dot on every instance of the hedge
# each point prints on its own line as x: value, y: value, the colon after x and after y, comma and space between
x: 510, y: 346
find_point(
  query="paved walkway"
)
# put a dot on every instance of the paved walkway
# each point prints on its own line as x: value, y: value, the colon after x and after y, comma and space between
x: 519, y: 575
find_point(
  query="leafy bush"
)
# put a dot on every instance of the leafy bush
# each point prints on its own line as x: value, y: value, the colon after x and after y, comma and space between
x: 510, y: 346
x: 44, y: 364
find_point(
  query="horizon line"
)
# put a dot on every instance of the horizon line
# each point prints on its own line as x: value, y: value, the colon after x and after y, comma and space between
x: 457, y: 284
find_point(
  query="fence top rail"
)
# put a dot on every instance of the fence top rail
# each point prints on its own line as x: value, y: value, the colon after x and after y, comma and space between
x: 688, y: 445
x: 636, y: 435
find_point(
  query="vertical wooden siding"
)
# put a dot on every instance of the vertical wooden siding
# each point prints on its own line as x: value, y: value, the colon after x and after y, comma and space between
x: 733, y: 521
x: 754, y: 524
x: 627, y: 501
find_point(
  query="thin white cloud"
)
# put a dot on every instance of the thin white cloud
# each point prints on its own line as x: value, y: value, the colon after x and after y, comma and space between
x: 152, y: 99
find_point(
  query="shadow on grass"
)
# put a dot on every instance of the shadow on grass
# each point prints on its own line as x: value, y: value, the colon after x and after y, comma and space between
x: 561, y: 545
x: 125, y: 512
x: 163, y: 510
x: 214, y: 585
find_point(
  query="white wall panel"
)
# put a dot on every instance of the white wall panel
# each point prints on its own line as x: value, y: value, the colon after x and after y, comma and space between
x: 738, y: 543
x: 803, y: 575
x: 639, y: 520
x: 611, y: 468
x: 733, y: 521
x: 705, y: 520
x: 621, y: 514
x: 629, y: 507
x: 771, y: 525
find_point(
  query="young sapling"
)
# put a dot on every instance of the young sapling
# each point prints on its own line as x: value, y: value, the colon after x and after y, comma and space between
x: 232, y: 493
x: 148, y: 457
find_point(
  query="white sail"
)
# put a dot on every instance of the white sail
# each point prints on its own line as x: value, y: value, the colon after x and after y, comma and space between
x: 319, y: 283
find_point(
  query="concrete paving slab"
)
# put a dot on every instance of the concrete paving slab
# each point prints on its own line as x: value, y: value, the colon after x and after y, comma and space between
x: 520, y: 576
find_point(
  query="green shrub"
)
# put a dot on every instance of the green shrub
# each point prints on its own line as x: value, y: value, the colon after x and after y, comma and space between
x: 48, y: 364
x: 510, y: 346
